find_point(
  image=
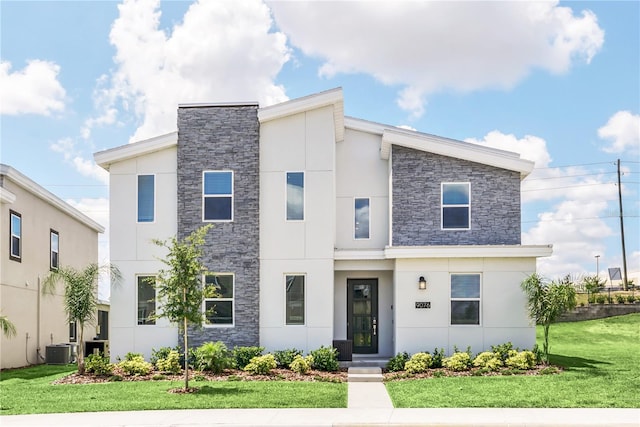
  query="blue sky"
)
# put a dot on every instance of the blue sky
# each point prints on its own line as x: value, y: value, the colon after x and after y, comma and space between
x: 557, y: 82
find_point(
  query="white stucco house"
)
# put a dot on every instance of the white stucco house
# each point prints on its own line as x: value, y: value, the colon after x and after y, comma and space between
x: 328, y: 230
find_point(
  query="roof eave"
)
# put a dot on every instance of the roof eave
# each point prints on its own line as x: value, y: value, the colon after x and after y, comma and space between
x: 106, y: 158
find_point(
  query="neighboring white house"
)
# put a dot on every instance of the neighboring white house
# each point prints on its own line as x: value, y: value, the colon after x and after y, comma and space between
x: 327, y: 228
x: 40, y: 232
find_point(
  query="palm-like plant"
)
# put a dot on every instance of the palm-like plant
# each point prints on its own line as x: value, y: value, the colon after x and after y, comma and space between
x: 80, y: 296
x: 8, y: 328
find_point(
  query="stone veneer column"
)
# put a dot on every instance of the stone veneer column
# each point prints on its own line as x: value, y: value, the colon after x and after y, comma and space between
x: 224, y: 137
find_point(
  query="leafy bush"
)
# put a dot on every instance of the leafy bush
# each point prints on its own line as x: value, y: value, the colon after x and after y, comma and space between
x: 243, y: 355
x: 134, y: 364
x: 460, y: 361
x: 261, y: 365
x: 325, y: 359
x: 301, y: 365
x: 213, y: 356
x: 522, y: 360
x: 396, y: 363
x: 98, y: 364
x: 437, y: 358
x: 162, y: 353
x: 284, y: 358
x: 503, y: 350
x: 170, y: 363
x: 620, y: 299
x: 488, y: 360
x: 631, y: 299
x: 418, y: 363
x: 600, y: 299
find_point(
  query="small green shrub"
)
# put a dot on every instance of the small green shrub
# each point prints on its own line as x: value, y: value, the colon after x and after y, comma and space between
x: 620, y: 299
x: 522, y: 360
x: 549, y: 370
x: 170, y: 363
x: 234, y: 378
x: 162, y: 353
x: 261, y: 365
x: 592, y: 299
x: 199, y: 377
x: 213, y: 356
x: 437, y: 358
x: 397, y: 362
x: 115, y: 378
x: 301, y: 365
x: 243, y: 355
x: 539, y: 354
x: 325, y: 359
x: 134, y: 364
x: 631, y: 299
x: 600, y: 299
x: 503, y: 350
x: 133, y: 356
x: 98, y: 364
x: 457, y: 362
x: 418, y: 363
x: 488, y: 360
x: 159, y: 377
x: 285, y: 357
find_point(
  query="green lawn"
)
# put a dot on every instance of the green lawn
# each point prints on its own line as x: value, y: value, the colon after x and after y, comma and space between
x: 601, y: 360
x: 29, y: 391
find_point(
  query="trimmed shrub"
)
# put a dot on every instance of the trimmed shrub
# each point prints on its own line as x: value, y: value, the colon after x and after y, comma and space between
x: 620, y: 299
x: 301, y: 365
x: 460, y: 361
x: 437, y: 358
x: 213, y: 356
x: 162, y: 353
x: 397, y: 362
x: 98, y: 364
x: 261, y: 365
x: 284, y: 358
x: 243, y: 355
x: 503, y: 350
x: 631, y: 299
x: 522, y: 360
x: 170, y: 363
x: 134, y: 364
x: 600, y: 299
x: 418, y: 363
x: 488, y: 360
x: 325, y: 359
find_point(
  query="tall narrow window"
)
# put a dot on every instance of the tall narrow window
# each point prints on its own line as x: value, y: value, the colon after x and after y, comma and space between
x: 15, y: 244
x: 295, y: 196
x: 361, y: 225
x: 218, y: 299
x: 73, y: 337
x: 55, y: 249
x: 217, y: 197
x: 146, y: 198
x: 146, y: 300
x: 465, y: 299
x: 456, y: 212
x: 294, y: 303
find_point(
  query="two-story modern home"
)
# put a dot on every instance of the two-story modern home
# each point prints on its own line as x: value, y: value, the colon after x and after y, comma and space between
x: 326, y: 229
x: 40, y: 233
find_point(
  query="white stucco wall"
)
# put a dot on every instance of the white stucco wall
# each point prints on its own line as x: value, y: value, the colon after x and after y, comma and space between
x: 503, y: 314
x: 134, y: 253
x: 298, y: 143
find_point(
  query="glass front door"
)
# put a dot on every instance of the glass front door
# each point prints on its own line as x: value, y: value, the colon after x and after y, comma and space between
x: 362, y: 315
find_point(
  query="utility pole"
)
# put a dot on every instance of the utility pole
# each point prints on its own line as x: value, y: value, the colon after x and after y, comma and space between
x: 624, y: 252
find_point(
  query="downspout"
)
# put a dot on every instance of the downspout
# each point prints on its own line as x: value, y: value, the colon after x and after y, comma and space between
x: 39, y: 355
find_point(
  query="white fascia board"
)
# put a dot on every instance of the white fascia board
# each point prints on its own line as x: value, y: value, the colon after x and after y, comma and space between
x: 469, y: 251
x: 106, y: 158
x: 331, y: 97
x: 456, y: 149
x: 38, y: 191
x: 6, y: 196
x: 355, y: 255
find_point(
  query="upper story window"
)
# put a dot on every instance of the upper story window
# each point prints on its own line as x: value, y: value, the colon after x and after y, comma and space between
x: 146, y: 300
x: 456, y: 207
x: 15, y: 231
x: 294, y: 299
x: 146, y: 198
x: 295, y: 196
x: 217, y: 196
x: 465, y: 299
x: 361, y: 220
x: 54, y: 237
x: 218, y: 299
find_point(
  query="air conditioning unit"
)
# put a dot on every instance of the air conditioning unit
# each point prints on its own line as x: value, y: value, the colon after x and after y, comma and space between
x: 59, y: 354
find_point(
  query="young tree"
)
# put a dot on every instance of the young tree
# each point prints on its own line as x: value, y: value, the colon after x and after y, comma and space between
x: 179, y: 287
x: 8, y: 328
x: 546, y: 301
x: 80, y: 296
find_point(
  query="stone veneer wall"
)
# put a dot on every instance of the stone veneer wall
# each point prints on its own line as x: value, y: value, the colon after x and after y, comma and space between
x: 224, y: 138
x: 417, y: 178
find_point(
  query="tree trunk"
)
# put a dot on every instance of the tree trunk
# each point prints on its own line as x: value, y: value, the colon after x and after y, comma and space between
x: 80, y: 348
x: 546, y: 341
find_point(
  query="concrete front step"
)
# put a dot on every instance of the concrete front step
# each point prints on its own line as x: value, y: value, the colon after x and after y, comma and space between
x: 364, y: 375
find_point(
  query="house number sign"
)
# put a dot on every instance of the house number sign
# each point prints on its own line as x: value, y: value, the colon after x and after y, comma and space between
x: 423, y: 304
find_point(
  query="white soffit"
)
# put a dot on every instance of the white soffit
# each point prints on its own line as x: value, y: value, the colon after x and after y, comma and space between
x: 6, y: 196
x: 38, y: 191
x: 331, y: 97
x: 128, y: 151
x: 469, y: 251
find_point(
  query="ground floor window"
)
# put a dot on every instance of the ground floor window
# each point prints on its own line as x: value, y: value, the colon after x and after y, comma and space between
x: 294, y: 299
x: 465, y: 299
x: 146, y: 300
x: 218, y: 302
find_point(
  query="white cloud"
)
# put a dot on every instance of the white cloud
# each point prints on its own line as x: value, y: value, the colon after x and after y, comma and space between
x: 530, y: 147
x: 33, y: 90
x: 221, y: 51
x: 623, y: 133
x: 86, y: 167
x: 431, y: 46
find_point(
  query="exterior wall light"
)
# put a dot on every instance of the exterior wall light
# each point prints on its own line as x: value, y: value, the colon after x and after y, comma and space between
x: 422, y: 283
